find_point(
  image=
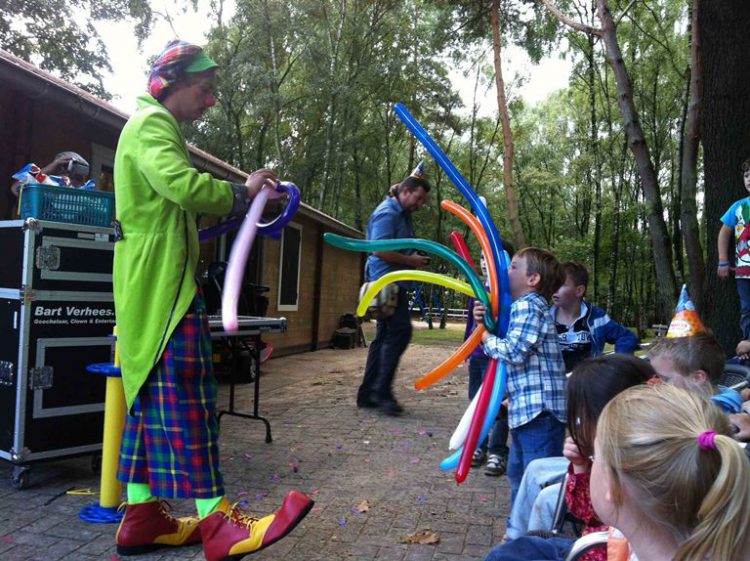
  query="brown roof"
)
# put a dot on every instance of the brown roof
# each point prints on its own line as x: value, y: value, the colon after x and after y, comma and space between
x: 37, y: 83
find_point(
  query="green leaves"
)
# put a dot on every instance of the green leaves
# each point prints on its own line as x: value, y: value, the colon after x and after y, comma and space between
x: 62, y: 36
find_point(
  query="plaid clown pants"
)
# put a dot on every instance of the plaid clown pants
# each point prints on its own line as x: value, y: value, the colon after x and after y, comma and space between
x: 171, y: 440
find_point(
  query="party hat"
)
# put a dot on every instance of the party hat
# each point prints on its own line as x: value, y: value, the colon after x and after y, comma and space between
x: 686, y: 321
x: 418, y: 171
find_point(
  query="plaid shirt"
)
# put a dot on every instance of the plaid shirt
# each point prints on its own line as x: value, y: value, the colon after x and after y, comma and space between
x: 531, y: 351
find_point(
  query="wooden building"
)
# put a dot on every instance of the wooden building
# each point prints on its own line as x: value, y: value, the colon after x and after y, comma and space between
x: 43, y: 115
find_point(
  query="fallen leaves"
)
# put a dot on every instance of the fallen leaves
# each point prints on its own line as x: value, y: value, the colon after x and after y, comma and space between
x: 423, y: 537
x: 364, y: 506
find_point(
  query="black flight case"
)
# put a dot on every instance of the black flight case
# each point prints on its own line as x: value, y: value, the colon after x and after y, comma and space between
x: 56, y: 317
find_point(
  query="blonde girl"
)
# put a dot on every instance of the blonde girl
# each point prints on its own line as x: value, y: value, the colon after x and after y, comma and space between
x: 669, y: 476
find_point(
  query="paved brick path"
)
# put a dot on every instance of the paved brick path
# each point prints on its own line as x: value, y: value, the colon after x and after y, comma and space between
x: 324, y: 446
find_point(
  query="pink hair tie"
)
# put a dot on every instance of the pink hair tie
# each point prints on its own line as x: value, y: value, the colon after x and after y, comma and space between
x: 706, y: 439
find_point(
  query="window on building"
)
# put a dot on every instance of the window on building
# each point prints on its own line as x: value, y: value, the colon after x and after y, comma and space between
x: 289, y: 268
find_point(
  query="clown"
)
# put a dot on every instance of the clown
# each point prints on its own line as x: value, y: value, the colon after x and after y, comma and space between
x: 170, y: 441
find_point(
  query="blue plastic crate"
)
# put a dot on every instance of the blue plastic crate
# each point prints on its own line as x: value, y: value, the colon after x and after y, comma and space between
x: 66, y: 204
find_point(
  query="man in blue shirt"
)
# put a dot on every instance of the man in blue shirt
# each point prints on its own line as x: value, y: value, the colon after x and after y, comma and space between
x: 392, y: 220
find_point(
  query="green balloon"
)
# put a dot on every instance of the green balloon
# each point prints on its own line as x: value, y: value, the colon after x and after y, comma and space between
x: 434, y: 248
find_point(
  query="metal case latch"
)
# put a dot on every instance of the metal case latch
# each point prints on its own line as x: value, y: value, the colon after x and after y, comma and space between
x: 41, y: 378
x: 48, y: 258
x: 7, y: 373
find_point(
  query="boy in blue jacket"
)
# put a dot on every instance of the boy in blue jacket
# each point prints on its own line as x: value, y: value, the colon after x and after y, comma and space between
x: 583, y: 328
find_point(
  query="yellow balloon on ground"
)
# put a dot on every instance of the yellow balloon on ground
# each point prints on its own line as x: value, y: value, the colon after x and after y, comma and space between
x: 422, y: 276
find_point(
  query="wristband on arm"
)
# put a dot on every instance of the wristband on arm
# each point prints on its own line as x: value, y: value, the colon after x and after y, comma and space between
x: 724, y: 263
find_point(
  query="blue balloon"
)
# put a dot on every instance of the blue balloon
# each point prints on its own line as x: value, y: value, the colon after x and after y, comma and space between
x: 272, y: 229
x: 479, y: 209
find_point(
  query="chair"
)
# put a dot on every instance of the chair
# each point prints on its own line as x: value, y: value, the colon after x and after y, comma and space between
x: 562, y: 516
x: 587, y: 543
x: 735, y: 376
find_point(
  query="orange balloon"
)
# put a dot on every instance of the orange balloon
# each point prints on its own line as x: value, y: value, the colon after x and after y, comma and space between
x: 449, y: 364
x: 473, y: 223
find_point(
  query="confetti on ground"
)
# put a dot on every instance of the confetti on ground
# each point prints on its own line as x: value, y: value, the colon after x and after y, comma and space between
x: 316, y: 491
x: 275, y: 478
x: 242, y: 494
x: 260, y: 496
x: 316, y: 509
x: 294, y: 467
x: 339, y: 446
x: 248, y: 456
x: 342, y: 522
x: 424, y: 537
x: 7, y: 539
x: 244, y: 504
x: 391, y: 472
x: 421, y: 500
x: 415, y: 460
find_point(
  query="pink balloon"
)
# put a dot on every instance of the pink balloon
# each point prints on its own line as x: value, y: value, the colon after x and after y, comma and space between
x: 241, y: 247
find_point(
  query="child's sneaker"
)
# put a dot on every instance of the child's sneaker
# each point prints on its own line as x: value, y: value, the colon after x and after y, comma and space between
x: 495, y: 465
x: 478, y: 458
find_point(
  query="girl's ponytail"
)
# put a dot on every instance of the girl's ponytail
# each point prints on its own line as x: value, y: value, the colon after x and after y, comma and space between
x: 724, y: 515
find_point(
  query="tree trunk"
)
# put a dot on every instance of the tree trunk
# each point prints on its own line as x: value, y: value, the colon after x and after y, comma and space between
x: 273, y: 83
x: 689, y: 215
x: 660, y: 241
x: 678, y: 191
x: 502, y: 106
x: 594, y: 147
x: 726, y: 143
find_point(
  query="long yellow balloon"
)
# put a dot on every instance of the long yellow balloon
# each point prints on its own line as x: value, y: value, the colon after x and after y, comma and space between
x: 422, y: 276
x: 447, y: 366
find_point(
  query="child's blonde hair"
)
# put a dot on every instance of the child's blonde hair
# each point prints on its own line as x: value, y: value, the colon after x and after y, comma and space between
x: 545, y: 264
x: 648, y: 439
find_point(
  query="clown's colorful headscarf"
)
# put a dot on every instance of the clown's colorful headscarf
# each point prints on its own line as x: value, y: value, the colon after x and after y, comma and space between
x: 170, y: 65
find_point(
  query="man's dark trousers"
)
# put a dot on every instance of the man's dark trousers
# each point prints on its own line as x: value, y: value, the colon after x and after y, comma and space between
x: 392, y: 338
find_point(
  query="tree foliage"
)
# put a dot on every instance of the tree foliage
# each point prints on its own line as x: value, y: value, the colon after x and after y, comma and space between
x: 308, y: 87
x: 62, y: 36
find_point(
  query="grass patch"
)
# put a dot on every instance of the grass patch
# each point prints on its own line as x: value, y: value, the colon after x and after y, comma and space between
x: 438, y: 337
x: 451, y: 336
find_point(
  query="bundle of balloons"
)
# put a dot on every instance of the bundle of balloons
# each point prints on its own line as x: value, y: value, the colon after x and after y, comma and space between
x: 243, y: 243
x: 481, y: 413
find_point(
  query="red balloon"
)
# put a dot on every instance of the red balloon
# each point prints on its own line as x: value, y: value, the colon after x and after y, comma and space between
x: 464, y: 464
x: 462, y: 249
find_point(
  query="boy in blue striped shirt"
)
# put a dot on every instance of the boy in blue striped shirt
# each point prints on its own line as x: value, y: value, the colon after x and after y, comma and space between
x: 536, y: 371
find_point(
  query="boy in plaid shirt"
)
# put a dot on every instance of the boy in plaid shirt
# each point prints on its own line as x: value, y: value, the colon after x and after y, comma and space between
x: 536, y: 371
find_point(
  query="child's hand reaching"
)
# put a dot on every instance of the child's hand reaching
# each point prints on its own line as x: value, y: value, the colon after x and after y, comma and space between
x: 573, y: 455
x: 743, y: 349
x: 479, y: 311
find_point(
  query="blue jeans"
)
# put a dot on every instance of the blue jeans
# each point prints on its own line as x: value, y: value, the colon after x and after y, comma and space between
x: 498, y: 437
x: 391, y: 339
x: 542, y: 437
x: 532, y: 548
x: 743, y: 289
x: 534, y: 507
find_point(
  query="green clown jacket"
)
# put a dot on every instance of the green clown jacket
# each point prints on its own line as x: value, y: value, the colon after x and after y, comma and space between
x: 158, y: 194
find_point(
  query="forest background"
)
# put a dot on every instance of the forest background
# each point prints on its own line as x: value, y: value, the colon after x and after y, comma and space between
x: 627, y: 169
